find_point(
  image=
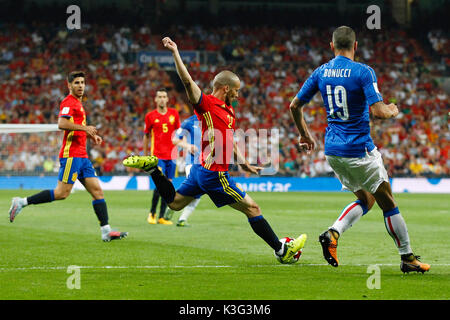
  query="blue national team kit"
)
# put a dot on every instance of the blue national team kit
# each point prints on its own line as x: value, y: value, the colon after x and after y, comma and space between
x: 190, y: 128
x: 348, y: 88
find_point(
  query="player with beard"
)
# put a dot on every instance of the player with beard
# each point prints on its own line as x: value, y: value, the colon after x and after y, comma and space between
x: 211, y: 177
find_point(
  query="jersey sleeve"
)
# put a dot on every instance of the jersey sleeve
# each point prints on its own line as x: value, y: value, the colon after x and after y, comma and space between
x: 370, y: 86
x: 177, y: 120
x: 66, y: 110
x: 203, y: 104
x: 309, y: 88
x: 148, y: 124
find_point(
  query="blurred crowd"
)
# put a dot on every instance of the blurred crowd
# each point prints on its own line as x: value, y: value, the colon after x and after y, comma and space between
x: 272, y: 63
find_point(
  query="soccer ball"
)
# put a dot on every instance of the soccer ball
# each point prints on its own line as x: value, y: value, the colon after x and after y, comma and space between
x: 296, y: 256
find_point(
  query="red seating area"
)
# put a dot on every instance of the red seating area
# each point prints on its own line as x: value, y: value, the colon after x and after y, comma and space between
x: 271, y: 63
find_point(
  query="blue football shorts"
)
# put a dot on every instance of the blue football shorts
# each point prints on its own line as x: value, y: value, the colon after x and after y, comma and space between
x: 72, y: 169
x: 218, y: 185
x: 167, y: 167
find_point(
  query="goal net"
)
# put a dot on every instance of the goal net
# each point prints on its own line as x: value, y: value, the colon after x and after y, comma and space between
x: 29, y: 149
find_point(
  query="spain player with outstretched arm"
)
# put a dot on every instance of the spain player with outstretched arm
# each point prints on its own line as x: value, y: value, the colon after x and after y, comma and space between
x: 73, y: 158
x: 211, y: 177
x: 348, y: 88
x: 160, y: 125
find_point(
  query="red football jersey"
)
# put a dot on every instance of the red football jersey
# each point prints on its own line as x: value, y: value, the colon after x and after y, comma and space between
x: 218, y: 123
x: 74, y: 142
x: 161, y: 128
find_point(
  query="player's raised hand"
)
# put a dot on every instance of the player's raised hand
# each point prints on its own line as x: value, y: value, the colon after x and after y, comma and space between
x: 307, y: 143
x: 169, y: 44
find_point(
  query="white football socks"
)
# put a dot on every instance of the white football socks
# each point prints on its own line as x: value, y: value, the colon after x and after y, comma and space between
x: 106, y: 229
x: 281, y: 251
x: 396, y: 227
x: 349, y: 216
x: 393, y: 220
x: 187, y: 211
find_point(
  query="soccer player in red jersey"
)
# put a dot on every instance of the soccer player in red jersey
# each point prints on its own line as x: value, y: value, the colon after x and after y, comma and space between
x: 217, y: 117
x: 74, y: 160
x: 160, y: 125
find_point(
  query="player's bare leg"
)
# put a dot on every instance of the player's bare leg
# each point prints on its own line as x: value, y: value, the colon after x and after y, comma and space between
x: 396, y: 227
x: 92, y: 185
x: 262, y: 228
x: 248, y: 207
x: 180, y: 202
x: 62, y: 190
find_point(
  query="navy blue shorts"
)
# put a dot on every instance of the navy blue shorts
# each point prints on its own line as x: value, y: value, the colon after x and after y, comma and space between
x: 218, y: 185
x: 167, y: 167
x: 72, y: 169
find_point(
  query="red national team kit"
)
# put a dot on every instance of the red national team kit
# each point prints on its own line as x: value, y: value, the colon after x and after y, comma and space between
x: 218, y: 123
x: 161, y: 127
x: 73, y: 157
x: 212, y: 176
x: 74, y: 142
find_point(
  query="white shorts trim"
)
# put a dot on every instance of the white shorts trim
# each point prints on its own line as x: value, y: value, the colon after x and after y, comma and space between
x: 187, y: 169
x: 360, y: 173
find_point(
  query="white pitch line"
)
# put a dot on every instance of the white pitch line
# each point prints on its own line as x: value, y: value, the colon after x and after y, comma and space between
x: 198, y: 266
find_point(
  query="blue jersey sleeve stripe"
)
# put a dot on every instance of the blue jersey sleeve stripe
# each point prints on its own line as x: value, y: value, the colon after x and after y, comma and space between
x: 372, y: 73
x: 372, y: 96
x: 200, y: 100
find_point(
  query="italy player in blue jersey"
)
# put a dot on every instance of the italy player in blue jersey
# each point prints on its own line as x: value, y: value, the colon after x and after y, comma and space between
x: 348, y: 88
x: 190, y: 131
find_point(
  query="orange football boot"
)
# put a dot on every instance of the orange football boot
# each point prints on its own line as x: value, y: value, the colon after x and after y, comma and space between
x: 164, y: 221
x: 412, y: 263
x: 329, y: 246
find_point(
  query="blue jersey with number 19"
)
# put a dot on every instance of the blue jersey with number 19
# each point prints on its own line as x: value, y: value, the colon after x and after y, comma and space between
x: 191, y: 129
x: 348, y: 88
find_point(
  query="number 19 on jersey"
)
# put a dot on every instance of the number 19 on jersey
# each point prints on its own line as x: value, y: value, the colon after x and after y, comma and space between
x: 340, y: 101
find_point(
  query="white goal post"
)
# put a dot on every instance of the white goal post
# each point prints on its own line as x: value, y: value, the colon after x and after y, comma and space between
x: 21, y: 128
x: 29, y: 149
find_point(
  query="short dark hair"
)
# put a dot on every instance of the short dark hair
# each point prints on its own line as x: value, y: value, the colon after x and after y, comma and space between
x: 75, y: 74
x: 343, y: 38
x: 161, y: 89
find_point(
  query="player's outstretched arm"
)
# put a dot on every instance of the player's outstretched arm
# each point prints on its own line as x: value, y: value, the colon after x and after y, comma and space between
x: 182, y: 143
x: 243, y: 162
x: 306, y: 140
x: 384, y: 111
x: 193, y: 91
x: 145, y: 143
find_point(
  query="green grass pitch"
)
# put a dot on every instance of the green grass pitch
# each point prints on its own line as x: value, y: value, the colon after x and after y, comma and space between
x: 218, y: 257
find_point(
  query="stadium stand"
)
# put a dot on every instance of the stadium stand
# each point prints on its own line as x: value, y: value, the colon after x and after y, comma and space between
x: 35, y: 58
